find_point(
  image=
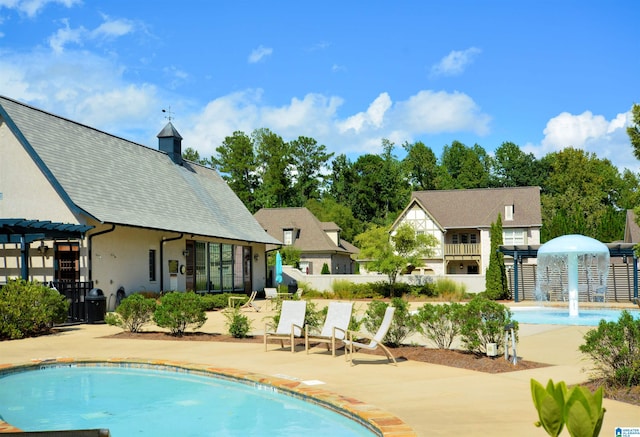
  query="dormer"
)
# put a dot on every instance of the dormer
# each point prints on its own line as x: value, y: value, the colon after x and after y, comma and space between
x: 333, y: 232
x: 289, y: 236
x: 508, y: 212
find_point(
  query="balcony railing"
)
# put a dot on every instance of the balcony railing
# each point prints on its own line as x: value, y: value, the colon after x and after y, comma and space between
x: 462, y: 249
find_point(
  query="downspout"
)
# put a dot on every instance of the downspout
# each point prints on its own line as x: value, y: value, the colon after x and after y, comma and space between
x: 516, y: 297
x: 162, y: 257
x: 24, y: 254
x: 106, y: 231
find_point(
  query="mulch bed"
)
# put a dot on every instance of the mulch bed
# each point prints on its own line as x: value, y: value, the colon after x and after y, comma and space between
x: 444, y: 357
x: 451, y: 358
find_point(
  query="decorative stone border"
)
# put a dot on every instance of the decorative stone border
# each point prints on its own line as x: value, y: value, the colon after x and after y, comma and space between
x: 379, y: 422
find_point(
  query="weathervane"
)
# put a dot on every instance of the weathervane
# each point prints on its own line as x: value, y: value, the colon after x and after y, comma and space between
x: 169, y: 113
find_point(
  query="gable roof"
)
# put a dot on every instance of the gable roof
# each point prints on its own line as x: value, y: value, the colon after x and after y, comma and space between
x: 312, y: 236
x: 478, y: 208
x: 121, y: 182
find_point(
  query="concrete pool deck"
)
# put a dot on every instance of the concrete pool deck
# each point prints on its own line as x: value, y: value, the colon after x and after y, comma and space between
x: 434, y: 400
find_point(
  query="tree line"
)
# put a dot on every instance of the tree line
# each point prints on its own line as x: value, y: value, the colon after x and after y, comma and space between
x: 580, y: 192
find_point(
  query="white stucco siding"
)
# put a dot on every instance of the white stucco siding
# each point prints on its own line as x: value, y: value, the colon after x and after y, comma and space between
x: 485, y: 250
x: 422, y: 222
x: 121, y: 259
x: 25, y: 191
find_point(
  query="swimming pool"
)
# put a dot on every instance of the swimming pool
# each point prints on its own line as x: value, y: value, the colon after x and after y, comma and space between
x: 560, y: 316
x: 144, y: 400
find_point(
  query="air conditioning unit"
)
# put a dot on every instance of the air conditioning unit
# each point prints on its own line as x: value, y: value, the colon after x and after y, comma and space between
x: 492, y: 349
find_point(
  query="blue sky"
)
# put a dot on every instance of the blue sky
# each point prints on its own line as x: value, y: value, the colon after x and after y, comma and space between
x: 542, y: 74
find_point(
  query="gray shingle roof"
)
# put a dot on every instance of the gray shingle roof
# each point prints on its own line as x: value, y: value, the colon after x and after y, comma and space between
x: 118, y: 181
x: 312, y: 236
x: 478, y: 208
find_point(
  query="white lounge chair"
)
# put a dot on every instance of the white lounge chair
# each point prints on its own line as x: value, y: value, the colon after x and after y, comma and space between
x: 250, y: 304
x: 270, y: 294
x: 334, y: 328
x: 290, y: 323
x: 374, y: 342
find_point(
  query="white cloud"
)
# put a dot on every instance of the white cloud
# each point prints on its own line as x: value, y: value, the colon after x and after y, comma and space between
x: 81, y: 86
x: 317, y: 116
x: 455, y: 62
x: 592, y: 133
x: 108, y: 30
x: 259, y: 54
x: 373, y: 117
x: 113, y: 28
x: 32, y: 7
x: 66, y: 35
x: 430, y: 112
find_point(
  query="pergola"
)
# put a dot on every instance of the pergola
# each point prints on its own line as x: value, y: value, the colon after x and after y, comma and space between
x: 24, y: 232
x: 616, y: 250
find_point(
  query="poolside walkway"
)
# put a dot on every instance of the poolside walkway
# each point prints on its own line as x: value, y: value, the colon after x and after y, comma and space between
x: 434, y: 400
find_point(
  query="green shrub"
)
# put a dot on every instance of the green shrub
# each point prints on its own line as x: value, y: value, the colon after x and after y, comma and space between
x: 615, y: 349
x: 133, y: 313
x: 402, y: 326
x: 450, y: 290
x: 29, y: 308
x: 483, y: 321
x: 218, y: 301
x: 325, y: 269
x: 439, y: 323
x: 177, y: 311
x: 238, y: 324
x: 149, y: 294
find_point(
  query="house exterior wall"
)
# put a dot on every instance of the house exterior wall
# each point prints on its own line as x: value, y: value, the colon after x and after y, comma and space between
x: 441, y: 264
x: 25, y: 191
x: 115, y: 259
x: 121, y: 259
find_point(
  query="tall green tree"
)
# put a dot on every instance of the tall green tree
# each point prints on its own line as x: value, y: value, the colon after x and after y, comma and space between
x: 577, y: 193
x: 421, y: 166
x: 496, y: 278
x: 309, y: 161
x: 275, y: 167
x: 327, y: 209
x: 341, y: 180
x: 236, y: 161
x: 464, y: 167
x: 190, y: 154
x: 391, y: 254
x: 514, y: 168
x: 634, y: 130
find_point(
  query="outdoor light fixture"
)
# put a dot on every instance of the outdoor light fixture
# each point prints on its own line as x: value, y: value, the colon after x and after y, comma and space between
x: 43, y: 249
x: 461, y: 266
x: 185, y: 253
x: 255, y: 257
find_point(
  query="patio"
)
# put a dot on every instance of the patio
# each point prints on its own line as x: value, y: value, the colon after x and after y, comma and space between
x: 434, y: 400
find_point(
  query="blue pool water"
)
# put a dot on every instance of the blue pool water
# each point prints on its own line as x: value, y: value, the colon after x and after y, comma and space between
x: 560, y: 316
x: 148, y: 402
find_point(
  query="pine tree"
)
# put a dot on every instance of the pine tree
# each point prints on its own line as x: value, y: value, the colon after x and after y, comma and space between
x: 496, y: 278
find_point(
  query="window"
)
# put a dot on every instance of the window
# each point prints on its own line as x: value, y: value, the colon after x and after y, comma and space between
x: 221, y: 267
x: 508, y: 212
x: 288, y: 237
x: 454, y: 239
x: 513, y: 237
x: 473, y: 238
x: 152, y: 265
